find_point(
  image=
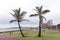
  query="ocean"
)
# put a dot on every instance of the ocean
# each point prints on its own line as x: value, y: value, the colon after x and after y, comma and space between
x: 3, y: 30
x: 10, y: 27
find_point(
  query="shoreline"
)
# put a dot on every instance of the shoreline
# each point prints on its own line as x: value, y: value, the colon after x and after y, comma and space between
x: 8, y: 30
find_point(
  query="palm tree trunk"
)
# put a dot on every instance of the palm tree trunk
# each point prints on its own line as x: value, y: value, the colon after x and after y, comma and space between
x: 20, y: 29
x: 39, y: 35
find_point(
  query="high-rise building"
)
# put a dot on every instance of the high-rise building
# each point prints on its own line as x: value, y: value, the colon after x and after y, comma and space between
x: 50, y: 23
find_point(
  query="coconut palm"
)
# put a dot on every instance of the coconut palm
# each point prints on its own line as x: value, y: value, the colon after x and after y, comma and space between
x: 40, y: 13
x: 18, y: 15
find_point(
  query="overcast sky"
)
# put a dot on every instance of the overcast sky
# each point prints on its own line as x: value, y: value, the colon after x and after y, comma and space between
x: 6, y: 6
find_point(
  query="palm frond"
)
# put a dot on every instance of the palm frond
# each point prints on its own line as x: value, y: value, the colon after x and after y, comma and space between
x: 19, y: 10
x: 12, y: 21
x: 44, y: 18
x: 45, y: 11
x: 40, y: 10
x: 16, y: 13
x: 12, y: 14
x: 13, y: 10
x: 34, y: 15
x: 37, y: 8
x: 23, y: 13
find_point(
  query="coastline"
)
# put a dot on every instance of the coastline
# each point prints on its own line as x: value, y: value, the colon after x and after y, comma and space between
x: 5, y: 30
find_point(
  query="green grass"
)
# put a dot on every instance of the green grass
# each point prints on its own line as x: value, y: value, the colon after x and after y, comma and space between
x: 32, y: 35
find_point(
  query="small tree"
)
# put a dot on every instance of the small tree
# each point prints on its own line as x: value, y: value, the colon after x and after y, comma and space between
x: 39, y: 13
x: 58, y: 26
x: 18, y: 15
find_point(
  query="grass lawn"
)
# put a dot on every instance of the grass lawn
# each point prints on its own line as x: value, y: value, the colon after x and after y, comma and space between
x: 32, y: 35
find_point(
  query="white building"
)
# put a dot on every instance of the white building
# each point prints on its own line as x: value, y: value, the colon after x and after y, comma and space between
x: 50, y: 23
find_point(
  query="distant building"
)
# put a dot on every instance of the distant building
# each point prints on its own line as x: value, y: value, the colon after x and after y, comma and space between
x: 54, y: 27
x: 44, y: 25
x: 50, y: 23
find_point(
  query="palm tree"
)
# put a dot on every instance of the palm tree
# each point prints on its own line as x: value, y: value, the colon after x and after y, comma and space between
x: 18, y: 15
x: 40, y: 14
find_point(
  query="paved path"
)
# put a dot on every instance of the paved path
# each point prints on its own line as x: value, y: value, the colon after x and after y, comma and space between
x: 4, y: 37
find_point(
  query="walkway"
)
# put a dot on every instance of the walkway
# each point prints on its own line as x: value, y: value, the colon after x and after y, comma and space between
x: 4, y: 37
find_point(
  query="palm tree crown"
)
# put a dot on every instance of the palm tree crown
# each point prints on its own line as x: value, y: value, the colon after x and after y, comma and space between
x: 39, y: 12
x: 18, y: 15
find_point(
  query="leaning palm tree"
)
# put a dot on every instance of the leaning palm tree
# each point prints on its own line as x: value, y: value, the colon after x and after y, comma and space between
x: 40, y: 14
x: 18, y: 15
